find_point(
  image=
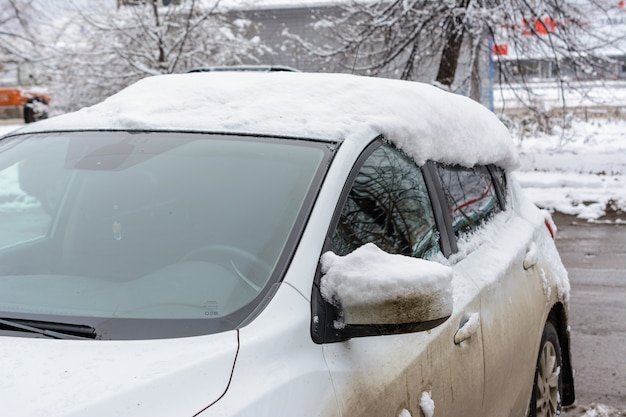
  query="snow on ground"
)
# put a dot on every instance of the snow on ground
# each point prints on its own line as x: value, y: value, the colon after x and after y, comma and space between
x: 574, y: 95
x: 593, y: 410
x: 579, y: 171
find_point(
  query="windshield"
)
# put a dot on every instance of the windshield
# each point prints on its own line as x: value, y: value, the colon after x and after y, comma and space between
x: 149, y: 234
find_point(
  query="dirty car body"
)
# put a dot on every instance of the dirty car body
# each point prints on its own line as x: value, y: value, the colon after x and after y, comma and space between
x: 277, y: 244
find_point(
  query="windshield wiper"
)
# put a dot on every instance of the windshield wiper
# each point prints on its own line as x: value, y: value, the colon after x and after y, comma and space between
x: 50, y: 329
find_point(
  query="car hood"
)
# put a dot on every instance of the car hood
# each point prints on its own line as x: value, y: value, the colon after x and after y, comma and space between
x: 169, y: 377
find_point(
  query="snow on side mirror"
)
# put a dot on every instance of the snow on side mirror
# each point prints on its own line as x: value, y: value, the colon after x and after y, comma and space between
x: 372, y: 287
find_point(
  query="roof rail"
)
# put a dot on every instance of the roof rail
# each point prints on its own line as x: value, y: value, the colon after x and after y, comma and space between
x: 245, y: 68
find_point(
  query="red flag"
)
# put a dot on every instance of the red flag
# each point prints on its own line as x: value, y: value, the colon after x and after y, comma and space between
x: 501, y: 49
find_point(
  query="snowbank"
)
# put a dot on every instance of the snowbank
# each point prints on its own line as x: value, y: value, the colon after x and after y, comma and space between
x: 593, y: 410
x: 580, y: 171
x: 591, y: 95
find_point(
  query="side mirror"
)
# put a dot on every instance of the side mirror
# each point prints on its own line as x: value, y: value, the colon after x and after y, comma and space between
x: 371, y: 287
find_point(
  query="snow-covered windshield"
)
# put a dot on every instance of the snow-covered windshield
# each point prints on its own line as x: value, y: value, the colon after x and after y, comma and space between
x: 148, y: 226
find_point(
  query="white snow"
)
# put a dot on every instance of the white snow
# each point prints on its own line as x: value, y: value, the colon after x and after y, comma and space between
x: 601, y: 410
x: 368, y: 278
x: 547, y: 96
x: 578, y: 171
x: 427, y: 404
x: 4, y: 129
x: 424, y: 121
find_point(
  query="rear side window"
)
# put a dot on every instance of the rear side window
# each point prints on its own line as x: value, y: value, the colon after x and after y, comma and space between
x: 471, y: 195
x: 388, y: 205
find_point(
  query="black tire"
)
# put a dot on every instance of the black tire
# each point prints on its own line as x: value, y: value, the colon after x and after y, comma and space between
x: 35, y: 109
x: 548, y: 384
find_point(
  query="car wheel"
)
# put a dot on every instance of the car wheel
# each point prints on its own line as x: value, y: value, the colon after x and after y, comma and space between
x: 548, y: 386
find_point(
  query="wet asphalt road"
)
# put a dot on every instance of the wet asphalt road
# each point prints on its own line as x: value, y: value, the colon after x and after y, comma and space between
x: 595, y: 257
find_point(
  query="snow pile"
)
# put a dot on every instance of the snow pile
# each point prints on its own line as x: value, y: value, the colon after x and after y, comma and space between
x: 424, y: 121
x: 575, y: 94
x: 374, y: 287
x: 600, y: 410
x: 427, y: 404
x: 593, y: 410
x: 580, y: 171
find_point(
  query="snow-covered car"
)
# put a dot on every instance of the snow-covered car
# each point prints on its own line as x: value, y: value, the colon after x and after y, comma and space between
x: 276, y: 244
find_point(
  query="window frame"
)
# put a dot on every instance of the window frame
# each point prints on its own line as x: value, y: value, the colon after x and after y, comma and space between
x: 501, y: 190
x: 407, y: 166
x: 501, y: 184
x: 122, y: 328
x: 323, y: 314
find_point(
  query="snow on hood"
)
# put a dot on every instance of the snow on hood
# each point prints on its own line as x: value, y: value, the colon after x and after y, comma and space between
x: 426, y: 122
x: 169, y: 377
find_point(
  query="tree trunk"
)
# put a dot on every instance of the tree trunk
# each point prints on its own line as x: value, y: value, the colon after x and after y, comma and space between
x: 475, y: 79
x: 161, y: 58
x: 453, y: 39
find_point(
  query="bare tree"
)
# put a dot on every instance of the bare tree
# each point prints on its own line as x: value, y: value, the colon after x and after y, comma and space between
x: 18, y: 21
x: 114, y: 49
x: 442, y: 40
x: 91, y: 51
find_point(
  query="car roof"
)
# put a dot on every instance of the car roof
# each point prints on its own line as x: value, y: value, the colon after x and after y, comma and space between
x: 424, y: 121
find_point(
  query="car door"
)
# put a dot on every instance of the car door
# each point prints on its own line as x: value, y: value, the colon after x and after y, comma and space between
x: 493, y: 243
x: 387, y: 202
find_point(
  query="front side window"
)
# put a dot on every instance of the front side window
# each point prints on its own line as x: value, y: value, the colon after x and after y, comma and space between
x: 387, y: 205
x: 470, y: 194
x: 177, y: 233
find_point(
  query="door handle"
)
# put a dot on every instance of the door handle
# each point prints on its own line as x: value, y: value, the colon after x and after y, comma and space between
x: 532, y: 255
x: 468, y: 328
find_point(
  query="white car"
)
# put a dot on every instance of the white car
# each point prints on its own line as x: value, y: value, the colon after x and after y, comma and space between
x: 276, y: 244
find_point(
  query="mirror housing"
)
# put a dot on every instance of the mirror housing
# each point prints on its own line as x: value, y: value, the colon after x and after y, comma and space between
x: 386, y: 293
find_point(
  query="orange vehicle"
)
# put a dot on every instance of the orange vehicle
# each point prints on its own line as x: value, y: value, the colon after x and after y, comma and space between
x: 20, y: 96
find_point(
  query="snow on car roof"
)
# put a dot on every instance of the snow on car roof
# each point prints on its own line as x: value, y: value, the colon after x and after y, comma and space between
x: 424, y: 121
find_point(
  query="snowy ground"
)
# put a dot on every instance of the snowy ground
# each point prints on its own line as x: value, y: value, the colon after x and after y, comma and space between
x: 580, y: 171
x: 593, y: 410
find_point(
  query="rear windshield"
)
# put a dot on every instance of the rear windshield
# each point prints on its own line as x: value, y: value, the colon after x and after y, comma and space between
x: 145, y: 235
